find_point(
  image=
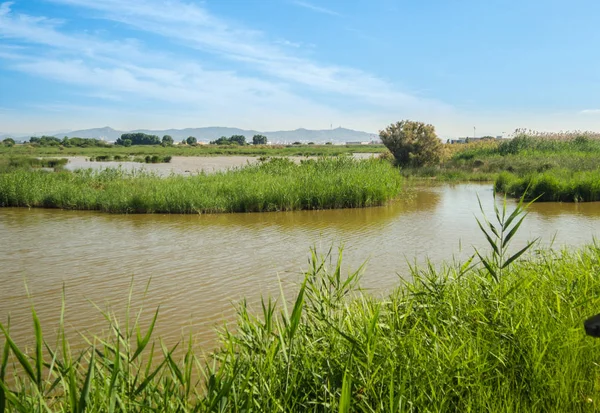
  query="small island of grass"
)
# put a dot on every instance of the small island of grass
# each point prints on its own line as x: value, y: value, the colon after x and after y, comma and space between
x: 274, y: 185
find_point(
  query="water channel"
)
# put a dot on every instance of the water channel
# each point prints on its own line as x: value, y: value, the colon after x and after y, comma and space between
x: 199, y: 266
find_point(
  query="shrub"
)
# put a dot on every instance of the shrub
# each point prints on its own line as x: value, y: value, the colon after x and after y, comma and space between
x: 412, y: 143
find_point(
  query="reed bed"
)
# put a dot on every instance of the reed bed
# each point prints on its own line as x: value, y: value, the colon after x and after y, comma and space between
x: 556, y: 185
x: 274, y: 185
x: 11, y: 163
x: 506, y: 336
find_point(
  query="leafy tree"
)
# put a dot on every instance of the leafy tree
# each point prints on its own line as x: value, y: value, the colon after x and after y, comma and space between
x: 191, y: 140
x: 412, y: 143
x: 233, y: 140
x: 167, y: 140
x: 139, y: 139
x: 8, y: 142
x: 297, y: 143
x: 240, y: 139
x: 259, y: 140
x: 126, y: 142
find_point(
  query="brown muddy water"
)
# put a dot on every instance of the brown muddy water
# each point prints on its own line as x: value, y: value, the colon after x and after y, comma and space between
x: 198, y: 267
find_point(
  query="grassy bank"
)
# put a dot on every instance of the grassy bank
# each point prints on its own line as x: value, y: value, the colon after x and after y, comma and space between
x: 198, y: 150
x: 274, y: 185
x: 556, y: 185
x: 561, y: 166
x: 449, y: 340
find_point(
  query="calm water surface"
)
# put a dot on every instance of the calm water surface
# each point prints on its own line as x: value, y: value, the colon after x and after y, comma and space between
x: 198, y: 266
x: 184, y: 165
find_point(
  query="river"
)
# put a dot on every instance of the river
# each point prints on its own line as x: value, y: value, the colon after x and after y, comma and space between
x: 199, y: 266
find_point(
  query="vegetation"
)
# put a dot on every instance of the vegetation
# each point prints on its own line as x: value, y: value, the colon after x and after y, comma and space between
x: 232, y: 140
x: 259, y: 140
x: 199, y: 150
x: 67, y: 142
x: 191, y: 140
x: 8, y: 142
x: 413, y: 144
x: 125, y: 158
x: 8, y: 164
x: 460, y: 338
x: 274, y: 185
x: 167, y: 140
x: 556, y: 185
x: 128, y: 139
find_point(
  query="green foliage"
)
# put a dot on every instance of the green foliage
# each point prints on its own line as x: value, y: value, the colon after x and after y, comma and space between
x: 84, y: 142
x: 554, y: 185
x: 232, y: 140
x: 191, y: 140
x: 275, y: 185
x: 8, y: 164
x: 8, y: 142
x: 259, y: 140
x: 138, y: 139
x: 197, y: 150
x: 45, y: 141
x: 500, y: 234
x: 413, y: 144
x: 167, y: 140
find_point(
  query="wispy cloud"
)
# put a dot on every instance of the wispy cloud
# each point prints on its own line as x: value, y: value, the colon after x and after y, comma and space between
x: 278, y: 87
x: 590, y: 112
x: 315, y: 8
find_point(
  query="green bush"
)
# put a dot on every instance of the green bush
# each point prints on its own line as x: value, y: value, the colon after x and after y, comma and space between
x: 413, y: 144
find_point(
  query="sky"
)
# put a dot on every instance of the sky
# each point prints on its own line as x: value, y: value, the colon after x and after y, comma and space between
x: 467, y: 67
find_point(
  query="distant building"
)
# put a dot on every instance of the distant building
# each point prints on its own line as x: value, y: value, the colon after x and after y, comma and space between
x: 357, y: 143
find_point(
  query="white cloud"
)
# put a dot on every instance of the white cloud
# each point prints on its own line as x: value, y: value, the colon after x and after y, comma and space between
x: 315, y: 8
x: 126, y: 70
x: 590, y: 112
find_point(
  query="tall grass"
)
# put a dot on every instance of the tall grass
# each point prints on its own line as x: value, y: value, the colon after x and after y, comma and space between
x: 555, y: 185
x: 528, y: 153
x: 460, y: 338
x: 11, y: 163
x: 274, y: 185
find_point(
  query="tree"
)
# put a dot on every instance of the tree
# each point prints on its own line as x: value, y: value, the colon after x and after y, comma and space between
x: 412, y: 143
x: 126, y: 143
x: 8, y: 142
x: 239, y: 139
x: 259, y: 140
x: 191, y: 140
x: 167, y: 140
x: 138, y: 139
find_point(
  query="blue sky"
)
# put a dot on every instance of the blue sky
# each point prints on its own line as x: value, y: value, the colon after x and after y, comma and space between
x: 285, y: 64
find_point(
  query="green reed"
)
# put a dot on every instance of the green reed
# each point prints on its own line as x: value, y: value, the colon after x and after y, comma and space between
x: 463, y: 337
x: 553, y: 185
x: 273, y: 185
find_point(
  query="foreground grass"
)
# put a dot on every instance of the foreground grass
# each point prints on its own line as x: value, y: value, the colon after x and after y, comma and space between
x: 453, y: 339
x: 274, y: 185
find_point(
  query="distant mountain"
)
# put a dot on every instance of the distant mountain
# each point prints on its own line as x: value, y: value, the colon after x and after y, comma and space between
x: 212, y: 133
